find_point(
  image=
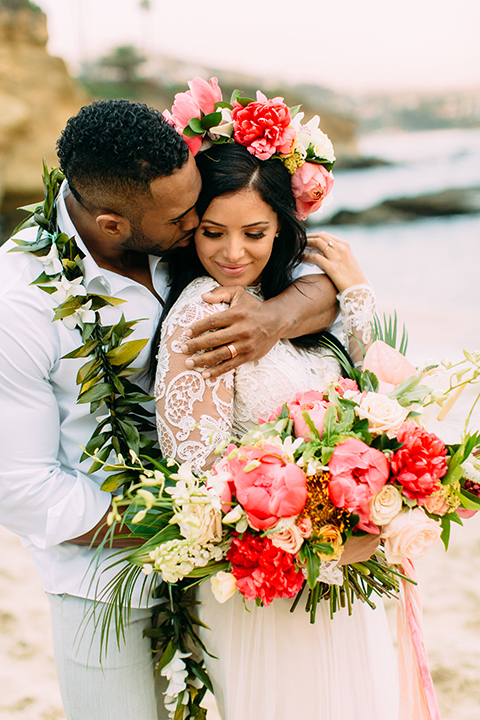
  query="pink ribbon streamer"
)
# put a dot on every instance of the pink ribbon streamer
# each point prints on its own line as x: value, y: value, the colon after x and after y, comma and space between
x: 417, y: 694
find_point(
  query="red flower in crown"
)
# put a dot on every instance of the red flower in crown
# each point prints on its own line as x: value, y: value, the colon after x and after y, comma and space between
x: 263, y: 570
x: 263, y: 126
x: 420, y: 462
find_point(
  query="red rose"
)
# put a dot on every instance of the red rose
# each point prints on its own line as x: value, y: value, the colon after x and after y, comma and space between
x: 420, y: 463
x: 262, y: 570
x: 275, y: 488
x: 358, y: 472
x: 263, y: 126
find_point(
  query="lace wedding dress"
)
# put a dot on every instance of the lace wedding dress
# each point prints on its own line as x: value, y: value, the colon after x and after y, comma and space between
x: 268, y: 663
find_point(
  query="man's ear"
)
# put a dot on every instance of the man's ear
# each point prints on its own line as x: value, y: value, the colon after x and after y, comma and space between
x: 115, y: 226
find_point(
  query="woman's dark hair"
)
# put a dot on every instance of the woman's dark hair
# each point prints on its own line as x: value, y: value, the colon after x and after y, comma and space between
x: 227, y: 169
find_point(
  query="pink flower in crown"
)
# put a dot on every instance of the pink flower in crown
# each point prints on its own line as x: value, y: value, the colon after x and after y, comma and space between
x: 311, y: 184
x: 264, y: 126
x: 194, y: 103
x: 205, y: 94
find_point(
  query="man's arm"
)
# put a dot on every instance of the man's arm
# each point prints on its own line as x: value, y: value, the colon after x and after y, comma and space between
x: 307, y: 306
x: 121, y: 537
x: 40, y: 499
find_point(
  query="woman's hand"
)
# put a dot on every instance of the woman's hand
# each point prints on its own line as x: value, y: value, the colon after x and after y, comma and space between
x: 358, y: 549
x: 336, y: 259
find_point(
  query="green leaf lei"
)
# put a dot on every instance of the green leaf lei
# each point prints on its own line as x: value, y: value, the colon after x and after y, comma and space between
x: 104, y: 379
x: 127, y: 429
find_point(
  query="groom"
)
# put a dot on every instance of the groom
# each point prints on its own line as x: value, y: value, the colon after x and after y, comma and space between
x: 129, y: 197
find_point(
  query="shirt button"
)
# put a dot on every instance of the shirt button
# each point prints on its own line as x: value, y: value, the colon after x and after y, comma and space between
x: 143, y: 291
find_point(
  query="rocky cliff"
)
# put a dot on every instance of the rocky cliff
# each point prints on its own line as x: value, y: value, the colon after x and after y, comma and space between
x: 37, y: 96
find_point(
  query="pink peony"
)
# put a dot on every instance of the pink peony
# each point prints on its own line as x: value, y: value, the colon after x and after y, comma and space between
x: 273, y: 489
x: 358, y: 472
x: 311, y: 184
x: 264, y: 126
x: 388, y: 364
x: 313, y: 403
x: 346, y: 384
x: 420, y: 462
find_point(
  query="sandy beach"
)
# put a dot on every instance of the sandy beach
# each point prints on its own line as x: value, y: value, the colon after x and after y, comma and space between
x: 450, y: 589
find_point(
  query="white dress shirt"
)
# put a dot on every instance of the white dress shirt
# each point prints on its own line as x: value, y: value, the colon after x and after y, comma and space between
x: 46, y: 496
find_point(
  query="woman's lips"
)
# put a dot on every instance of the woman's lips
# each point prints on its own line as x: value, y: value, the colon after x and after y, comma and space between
x: 232, y: 269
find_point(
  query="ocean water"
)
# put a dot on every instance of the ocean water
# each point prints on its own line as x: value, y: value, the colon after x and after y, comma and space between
x: 427, y: 270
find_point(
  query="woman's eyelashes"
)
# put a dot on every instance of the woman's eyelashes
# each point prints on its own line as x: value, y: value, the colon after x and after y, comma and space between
x: 215, y: 234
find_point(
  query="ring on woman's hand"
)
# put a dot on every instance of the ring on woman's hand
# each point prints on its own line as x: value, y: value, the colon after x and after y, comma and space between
x: 233, y: 350
x: 329, y: 245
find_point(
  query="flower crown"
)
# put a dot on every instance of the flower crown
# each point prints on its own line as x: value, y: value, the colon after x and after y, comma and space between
x: 267, y: 128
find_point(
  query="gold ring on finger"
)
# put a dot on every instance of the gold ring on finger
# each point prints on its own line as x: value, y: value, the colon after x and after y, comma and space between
x: 233, y: 350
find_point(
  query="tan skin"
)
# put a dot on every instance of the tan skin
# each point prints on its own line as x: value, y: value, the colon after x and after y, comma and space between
x: 169, y: 220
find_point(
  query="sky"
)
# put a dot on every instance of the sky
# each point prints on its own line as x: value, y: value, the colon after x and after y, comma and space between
x: 349, y: 45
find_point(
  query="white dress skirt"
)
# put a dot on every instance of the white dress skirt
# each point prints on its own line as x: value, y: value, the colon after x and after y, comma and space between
x: 271, y: 664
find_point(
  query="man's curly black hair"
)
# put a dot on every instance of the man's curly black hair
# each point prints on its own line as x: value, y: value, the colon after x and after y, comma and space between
x: 112, y: 150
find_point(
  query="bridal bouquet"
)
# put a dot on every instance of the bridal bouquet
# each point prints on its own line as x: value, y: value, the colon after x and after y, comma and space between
x: 275, y: 514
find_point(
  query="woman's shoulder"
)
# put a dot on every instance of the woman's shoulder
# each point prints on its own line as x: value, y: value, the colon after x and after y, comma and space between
x: 190, y: 308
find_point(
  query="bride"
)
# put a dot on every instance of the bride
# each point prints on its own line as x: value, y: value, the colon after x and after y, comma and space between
x: 267, y: 663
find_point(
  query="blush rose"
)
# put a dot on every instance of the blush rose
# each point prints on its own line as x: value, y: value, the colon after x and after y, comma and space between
x: 409, y: 535
x: 384, y: 414
x: 311, y: 184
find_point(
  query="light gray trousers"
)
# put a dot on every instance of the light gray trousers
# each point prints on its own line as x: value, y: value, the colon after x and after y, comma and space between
x: 119, y: 686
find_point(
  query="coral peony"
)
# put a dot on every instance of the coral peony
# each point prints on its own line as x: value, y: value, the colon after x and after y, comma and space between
x: 268, y: 487
x: 358, y: 472
x: 420, y: 462
x: 311, y: 184
x: 262, y: 570
x: 264, y: 126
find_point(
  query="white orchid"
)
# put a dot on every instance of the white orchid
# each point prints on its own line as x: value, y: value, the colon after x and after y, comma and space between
x: 81, y: 316
x: 52, y: 264
x: 68, y: 288
x: 224, y: 128
x: 176, y: 673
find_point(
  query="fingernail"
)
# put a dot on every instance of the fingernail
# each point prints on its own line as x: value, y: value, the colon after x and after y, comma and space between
x: 206, y: 374
x: 189, y: 363
x: 184, y: 348
x: 188, y: 332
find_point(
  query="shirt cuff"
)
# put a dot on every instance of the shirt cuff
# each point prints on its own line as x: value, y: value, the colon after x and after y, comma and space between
x: 76, y: 514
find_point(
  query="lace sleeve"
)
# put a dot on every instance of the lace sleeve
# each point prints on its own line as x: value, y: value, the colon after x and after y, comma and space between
x: 357, y: 305
x: 193, y: 414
